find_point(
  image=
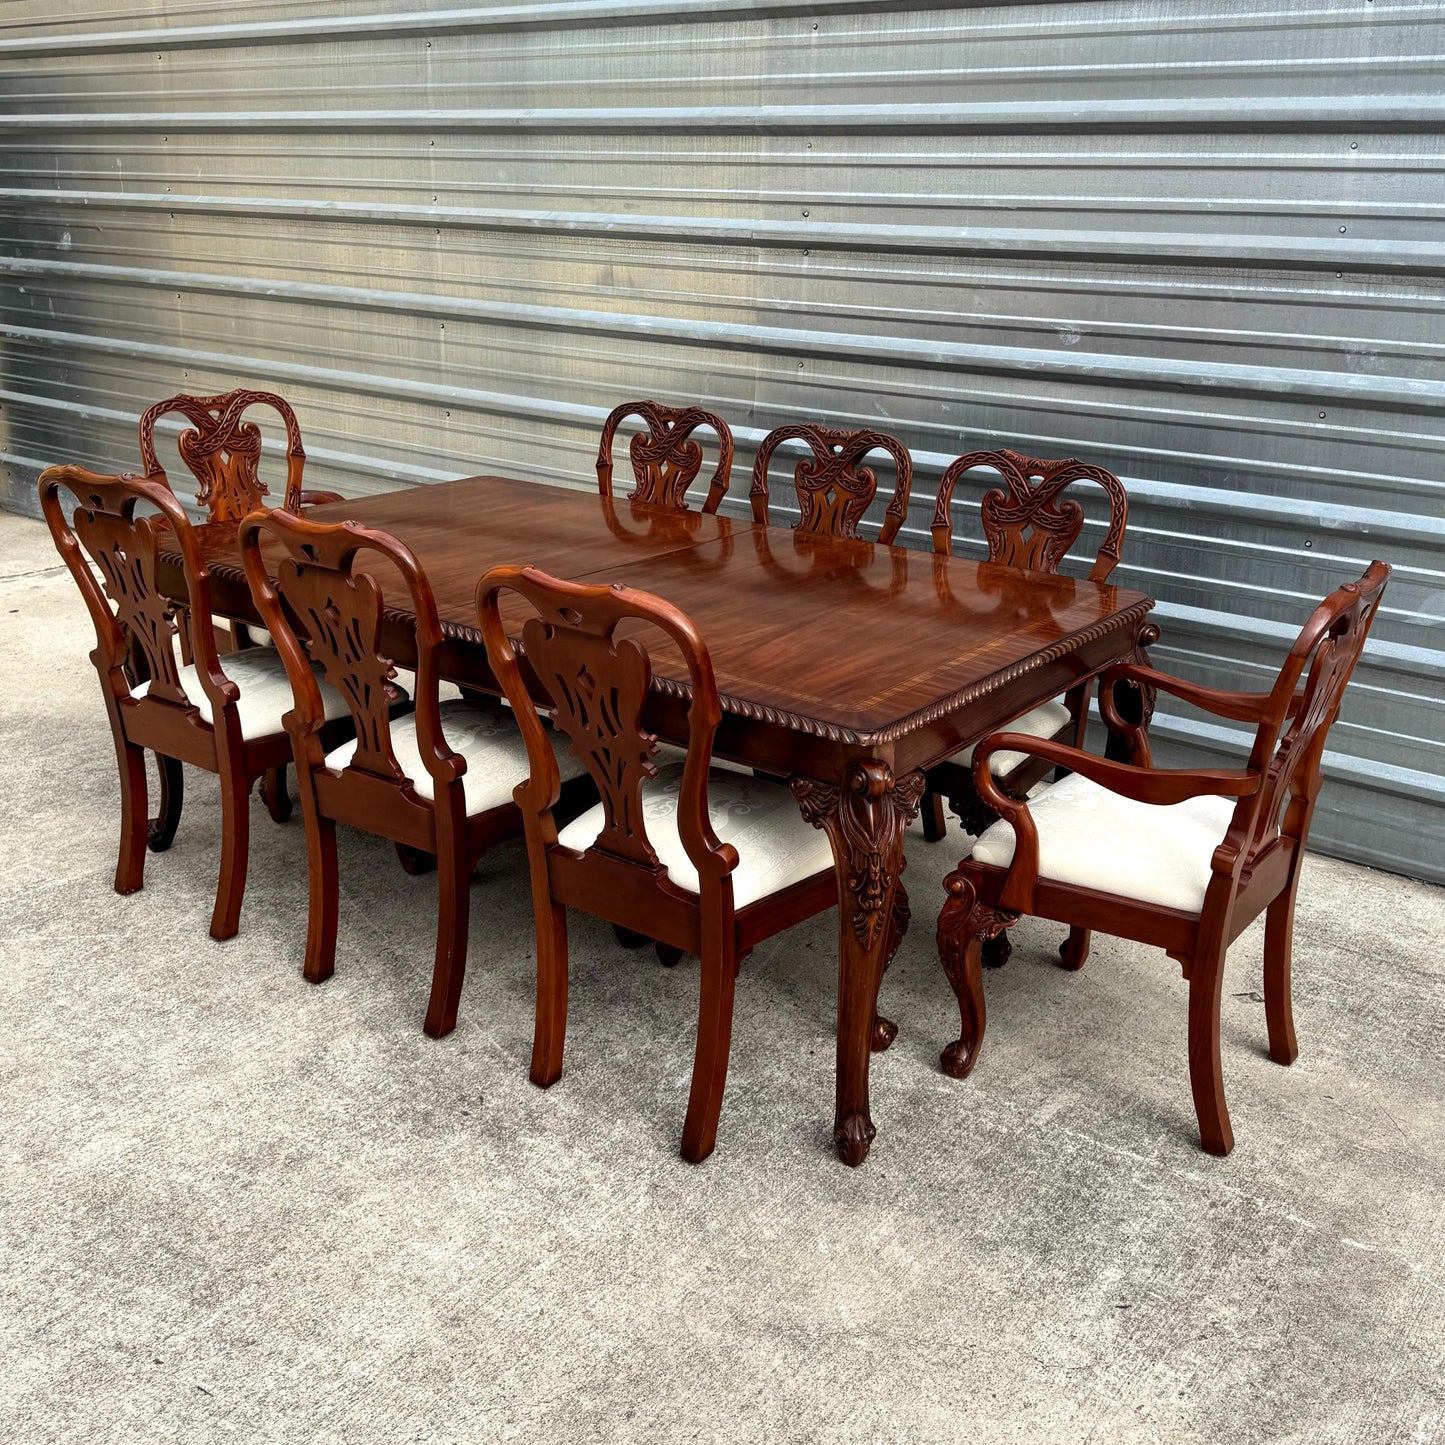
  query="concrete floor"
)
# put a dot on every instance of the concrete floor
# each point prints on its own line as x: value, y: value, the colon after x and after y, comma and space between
x: 233, y: 1206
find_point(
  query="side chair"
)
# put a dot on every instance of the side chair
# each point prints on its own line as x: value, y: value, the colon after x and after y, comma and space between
x: 437, y: 781
x: 1183, y: 859
x: 666, y: 459
x: 707, y: 861
x: 226, y: 718
x: 1031, y: 526
x: 834, y: 488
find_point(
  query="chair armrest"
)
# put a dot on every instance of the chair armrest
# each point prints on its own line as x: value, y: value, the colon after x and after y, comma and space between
x: 1240, y: 706
x: 1142, y: 784
x: 319, y: 499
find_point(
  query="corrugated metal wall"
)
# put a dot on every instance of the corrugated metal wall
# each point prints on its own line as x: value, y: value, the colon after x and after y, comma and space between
x: 1198, y: 241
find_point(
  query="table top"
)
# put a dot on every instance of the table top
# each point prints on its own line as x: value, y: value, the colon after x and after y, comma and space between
x: 851, y: 641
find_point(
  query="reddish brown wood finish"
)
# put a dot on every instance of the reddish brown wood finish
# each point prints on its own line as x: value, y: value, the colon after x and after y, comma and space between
x: 1256, y: 867
x: 834, y: 488
x: 597, y: 683
x: 1031, y: 526
x: 665, y: 458
x: 136, y: 627
x: 854, y: 673
x: 321, y: 587
x: 223, y: 452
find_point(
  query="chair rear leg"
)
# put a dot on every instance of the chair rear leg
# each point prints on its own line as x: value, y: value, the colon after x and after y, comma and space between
x: 549, y: 1033
x: 1074, y: 950
x: 161, y: 830
x: 275, y: 795
x: 710, y: 1057
x: 130, y: 865
x: 1206, y: 1068
x: 1278, y: 951
x: 235, y: 848
x: 323, y: 891
x: 935, y: 817
x: 454, y: 907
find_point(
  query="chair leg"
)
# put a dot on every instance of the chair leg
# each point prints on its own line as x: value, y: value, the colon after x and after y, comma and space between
x: 963, y: 926
x: 161, y: 830
x: 629, y: 937
x: 235, y: 846
x: 275, y: 795
x: 1278, y: 950
x: 549, y: 1032
x: 454, y: 905
x: 884, y: 1029
x: 935, y: 817
x: 710, y: 1058
x: 130, y: 865
x: 1206, y: 1069
x: 668, y: 954
x: 323, y: 888
x: 1074, y: 950
x: 414, y: 862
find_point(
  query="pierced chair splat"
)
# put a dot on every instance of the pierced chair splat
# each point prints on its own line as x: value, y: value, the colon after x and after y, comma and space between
x: 834, y: 488
x: 437, y: 782
x: 1184, y: 859
x: 705, y: 861
x: 226, y: 718
x: 666, y: 458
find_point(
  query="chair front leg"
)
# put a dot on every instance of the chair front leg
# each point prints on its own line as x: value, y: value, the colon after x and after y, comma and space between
x: 549, y: 1030
x: 161, y: 830
x: 935, y: 816
x: 963, y: 925
x: 130, y: 864
x: 1206, y: 1068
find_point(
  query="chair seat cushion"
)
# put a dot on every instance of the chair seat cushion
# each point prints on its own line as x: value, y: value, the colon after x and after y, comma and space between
x: 776, y: 846
x: 265, y: 697
x: 1043, y: 722
x: 1093, y: 838
x: 488, y: 738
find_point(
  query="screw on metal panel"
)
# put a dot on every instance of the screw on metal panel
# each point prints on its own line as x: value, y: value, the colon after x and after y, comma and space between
x: 800, y: 366
x: 805, y: 213
x: 1322, y: 416
x: 1308, y: 543
x: 807, y: 253
x: 815, y: 25
x: 1354, y: 145
x: 1342, y: 230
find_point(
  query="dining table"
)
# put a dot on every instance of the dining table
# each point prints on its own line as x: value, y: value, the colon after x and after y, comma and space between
x: 845, y: 667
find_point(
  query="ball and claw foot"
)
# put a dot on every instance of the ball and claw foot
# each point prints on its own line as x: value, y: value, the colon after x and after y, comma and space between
x: 958, y: 1059
x: 884, y: 1032
x: 852, y: 1138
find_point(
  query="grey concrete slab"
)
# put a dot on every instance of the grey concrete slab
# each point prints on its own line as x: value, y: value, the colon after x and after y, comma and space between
x: 235, y: 1207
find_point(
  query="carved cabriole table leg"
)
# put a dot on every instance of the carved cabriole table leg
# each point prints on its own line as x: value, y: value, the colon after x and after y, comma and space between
x: 963, y: 925
x: 865, y: 820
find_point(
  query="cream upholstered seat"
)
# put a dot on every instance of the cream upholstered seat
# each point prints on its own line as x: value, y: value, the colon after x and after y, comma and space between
x: 265, y: 692
x: 1093, y: 838
x: 486, y: 737
x: 1043, y: 722
x: 776, y: 845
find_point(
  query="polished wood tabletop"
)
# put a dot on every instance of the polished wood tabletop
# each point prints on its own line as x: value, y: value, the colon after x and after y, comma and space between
x: 845, y: 666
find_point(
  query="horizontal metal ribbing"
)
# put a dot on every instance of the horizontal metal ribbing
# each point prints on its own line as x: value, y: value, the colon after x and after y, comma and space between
x: 1148, y: 249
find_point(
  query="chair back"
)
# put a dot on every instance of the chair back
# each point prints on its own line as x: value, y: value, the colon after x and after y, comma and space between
x: 834, y: 488
x: 322, y: 607
x: 223, y: 451
x: 136, y: 624
x: 665, y: 458
x: 1289, y: 742
x: 597, y: 684
x: 1033, y: 525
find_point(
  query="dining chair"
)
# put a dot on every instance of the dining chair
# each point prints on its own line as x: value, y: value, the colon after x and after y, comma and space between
x: 223, y: 718
x: 1031, y: 526
x: 222, y: 450
x: 666, y: 459
x: 707, y: 861
x: 834, y: 488
x: 437, y: 781
x: 1183, y: 859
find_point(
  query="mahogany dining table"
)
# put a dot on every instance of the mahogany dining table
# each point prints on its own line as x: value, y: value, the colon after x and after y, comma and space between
x: 846, y: 667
